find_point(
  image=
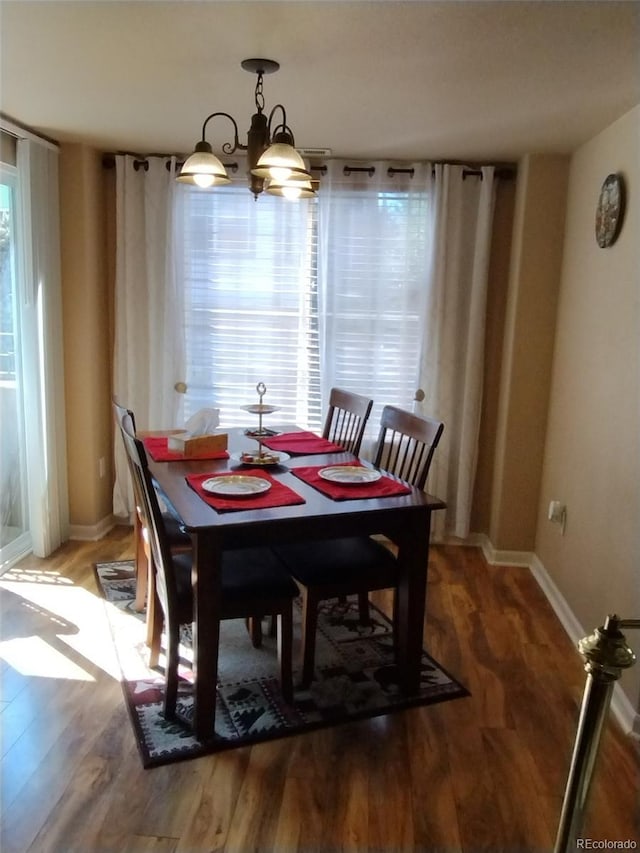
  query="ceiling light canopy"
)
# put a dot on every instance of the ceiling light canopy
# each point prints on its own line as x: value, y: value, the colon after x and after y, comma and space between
x: 274, y: 163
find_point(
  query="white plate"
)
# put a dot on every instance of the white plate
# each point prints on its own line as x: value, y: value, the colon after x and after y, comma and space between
x: 349, y: 475
x: 236, y: 486
x: 267, y: 461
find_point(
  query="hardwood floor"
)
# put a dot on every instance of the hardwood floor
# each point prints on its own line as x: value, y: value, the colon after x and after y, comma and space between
x: 483, y: 773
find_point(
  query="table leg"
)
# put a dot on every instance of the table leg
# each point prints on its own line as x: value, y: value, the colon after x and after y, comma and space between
x: 413, y: 560
x: 205, y: 578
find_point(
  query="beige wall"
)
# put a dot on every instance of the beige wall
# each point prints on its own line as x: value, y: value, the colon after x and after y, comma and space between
x: 86, y: 334
x: 530, y: 318
x: 592, y: 453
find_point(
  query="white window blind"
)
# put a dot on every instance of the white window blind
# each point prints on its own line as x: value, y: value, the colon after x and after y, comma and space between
x: 373, y: 283
x: 304, y: 297
x: 250, y: 305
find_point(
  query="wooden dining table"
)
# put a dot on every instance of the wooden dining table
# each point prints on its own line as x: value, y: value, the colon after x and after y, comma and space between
x: 404, y: 519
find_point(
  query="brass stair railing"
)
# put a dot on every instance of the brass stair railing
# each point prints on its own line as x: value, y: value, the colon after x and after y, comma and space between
x: 606, y: 654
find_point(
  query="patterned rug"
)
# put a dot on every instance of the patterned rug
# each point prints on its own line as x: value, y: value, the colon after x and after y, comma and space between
x: 355, y: 677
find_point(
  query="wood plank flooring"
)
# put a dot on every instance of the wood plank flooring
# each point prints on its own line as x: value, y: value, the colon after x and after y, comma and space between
x: 483, y: 773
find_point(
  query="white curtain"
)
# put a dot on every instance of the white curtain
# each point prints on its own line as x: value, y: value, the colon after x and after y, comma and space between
x: 41, y: 346
x: 373, y: 230
x: 149, y: 326
x: 453, y: 345
x: 402, y: 261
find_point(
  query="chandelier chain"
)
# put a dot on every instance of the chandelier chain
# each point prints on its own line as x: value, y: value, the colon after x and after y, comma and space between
x: 258, y: 95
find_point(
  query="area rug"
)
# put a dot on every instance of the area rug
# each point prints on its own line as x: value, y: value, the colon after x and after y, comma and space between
x: 355, y: 677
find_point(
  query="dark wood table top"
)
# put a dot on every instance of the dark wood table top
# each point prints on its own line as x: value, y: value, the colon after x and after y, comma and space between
x: 198, y: 515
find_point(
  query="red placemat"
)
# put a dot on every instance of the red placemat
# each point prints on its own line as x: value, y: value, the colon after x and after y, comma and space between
x: 385, y: 487
x: 278, y: 494
x: 302, y: 443
x: 156, y: 446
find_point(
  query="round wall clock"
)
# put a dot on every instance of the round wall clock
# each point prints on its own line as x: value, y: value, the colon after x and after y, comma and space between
x: 610, y: 210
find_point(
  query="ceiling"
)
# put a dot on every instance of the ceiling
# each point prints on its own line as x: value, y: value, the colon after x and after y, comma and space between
x: 453, y: 80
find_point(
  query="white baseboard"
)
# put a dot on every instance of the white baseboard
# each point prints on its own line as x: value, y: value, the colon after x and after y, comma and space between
x: 92, y: 532
x: 621, y: 708
x: 501, y: 558
x: 565, y: 614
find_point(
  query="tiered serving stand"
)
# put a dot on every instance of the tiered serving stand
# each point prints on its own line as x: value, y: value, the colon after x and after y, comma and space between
x: 264, y: 456
x: 260, y: 409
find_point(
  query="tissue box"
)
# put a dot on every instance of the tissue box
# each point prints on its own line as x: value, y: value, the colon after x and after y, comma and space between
x: 197, y: 445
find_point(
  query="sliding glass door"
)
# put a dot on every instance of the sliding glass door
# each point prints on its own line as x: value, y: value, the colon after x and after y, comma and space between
x: 14, y: 515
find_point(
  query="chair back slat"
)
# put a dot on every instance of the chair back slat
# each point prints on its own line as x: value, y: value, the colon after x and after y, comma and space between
x: 406, y: 444
x: 347, y: 418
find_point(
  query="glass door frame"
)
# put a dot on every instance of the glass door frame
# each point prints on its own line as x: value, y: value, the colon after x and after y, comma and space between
x: 21, y: 544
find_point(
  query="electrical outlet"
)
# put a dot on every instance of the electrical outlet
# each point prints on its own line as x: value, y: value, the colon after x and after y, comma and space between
x: 555, y: 511
x: 102, y: 467
x: 558, y: 514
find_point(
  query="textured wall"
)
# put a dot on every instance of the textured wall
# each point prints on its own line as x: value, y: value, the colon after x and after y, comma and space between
x: 592, y: 455
x: 87, y: 336
x: 530, y: 322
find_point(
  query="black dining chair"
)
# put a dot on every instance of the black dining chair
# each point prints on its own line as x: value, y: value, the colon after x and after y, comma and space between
x: 176, y: 537
x: 344, y: 424
x: 346, y: 419
x: 337, y: 568
x: 252, y: 582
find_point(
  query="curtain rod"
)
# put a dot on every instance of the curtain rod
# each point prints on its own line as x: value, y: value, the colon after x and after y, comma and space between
x: 140, y: 162
x: 506, y: 172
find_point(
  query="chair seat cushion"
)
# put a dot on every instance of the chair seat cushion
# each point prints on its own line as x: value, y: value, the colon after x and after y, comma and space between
x: 255, y: 573
x: 351, y: 563
x: 174, y: 531
x: 247, y: 574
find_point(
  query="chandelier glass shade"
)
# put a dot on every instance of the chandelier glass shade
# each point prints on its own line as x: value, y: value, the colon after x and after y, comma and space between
x: 291, y: 189
x: 281, y: 162
x: 203, y: 168
x: 274, y: 163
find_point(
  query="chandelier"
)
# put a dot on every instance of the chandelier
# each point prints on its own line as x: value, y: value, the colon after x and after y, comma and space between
x: 274, y: 164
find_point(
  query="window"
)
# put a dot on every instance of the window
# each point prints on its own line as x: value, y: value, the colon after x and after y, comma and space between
x: 303, y: 297
x: 250, y: 304
x: 374, y: 272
